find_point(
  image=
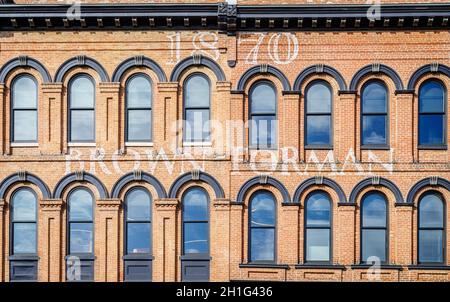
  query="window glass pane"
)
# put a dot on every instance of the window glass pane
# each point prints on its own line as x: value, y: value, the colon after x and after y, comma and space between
x: 374, y: 210
x: 431, y: 212
x: 374, y: 130
x: 25, y: 125
x: 196, y: 92
x: 430, y: 246
x: 263, y: 99
x: 82, y: 93
x: 138, y: 205
x: 81, y: 237
x: 197, y: 127
x: 195, y: 238
x: 138, y: 238
x: 24, y: 206
x: 82, y: 125
x: 195, y: 205
x: 262, y: 245
x: 318, y: 99
x: 262, y: 210
x: 374, y: 244
x: 24, y: 238
x: 139, y: 125
x: 318, y: 211
x: 318, y: 130
x: 431, y: 97
x: 24, y: 92
x: 431, y: 131
x: 263, y: 131
x: 139, y: 92
x: 80, y: 205
x: 317, y: 245
x: 374, y: 98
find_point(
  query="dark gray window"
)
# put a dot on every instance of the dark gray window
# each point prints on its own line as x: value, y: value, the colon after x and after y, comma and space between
x: 139, y: 109
x: 374, y: 117
x: 318, y: 227
x: 195, y: 222
x: 23, y: 222
x: 82, y: 109
x: 431, y: 229
x: 262, y: 222
x: 197, y: 94
x: 374, y: 236
x: 138, y: 222
x: 81, y: 222
x: 318, y: 119
x: 263, y: 116
x: 24, y: 102
x: 432, y: 116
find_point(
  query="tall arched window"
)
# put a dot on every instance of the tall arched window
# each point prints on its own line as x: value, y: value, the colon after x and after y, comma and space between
x: 432, y: 117
x: 318, y: 115
x: 23, y: 222
x: 263, y: 116
x: 431, y: 229
x: 139, y: 109
x: 24, y: 104
x: 197, y: 94
x: 196, y: 222
x: 262, y: 225
x: 138, y: 222
x: 374, y: 119
x: 318, y: 227
x: 374, y: 236
x: 82, y: 109
x: 80, y: 222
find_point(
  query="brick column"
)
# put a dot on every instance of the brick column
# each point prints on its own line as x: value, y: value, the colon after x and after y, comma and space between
x: 404, y: 144
x: 289, y: 231
x: 2, y: 117
x: 220, y: 113
x: 220, y: 240
x: 50, y: 240
x: 51, y: 119
x: 289, y: 126
x: 346, y: 132
x: 109, y: 132
x: 403, y: 239
x: 344, y: 237
x: 239, y: 133
x: 236, y: 239
x: 165, y: 240
x: 107, y: 240
x: 166, y: 107
x: 2, y: 241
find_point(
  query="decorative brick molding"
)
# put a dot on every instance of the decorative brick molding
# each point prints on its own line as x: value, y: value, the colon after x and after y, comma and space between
x: 108, y: 204
x: 166, y: 204
x: 221, y: 204
x: 109, y: 87
x: 51, y: 204
x: 2, y: 205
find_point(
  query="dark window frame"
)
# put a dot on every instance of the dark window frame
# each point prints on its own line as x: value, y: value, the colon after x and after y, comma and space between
x: 69, y: 108
x: 13, y: 110
x: 128, y: 108
x: 330, y: 114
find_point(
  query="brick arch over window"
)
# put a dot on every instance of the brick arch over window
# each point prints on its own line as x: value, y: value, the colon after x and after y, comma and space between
x: 374, y: 182
x: 263, y: 69
x: 24, y: 61
x: 197, y: 61
x: 319, y: 181
x: 190, y: 176
x: 426, y: 182
x: 81, y: 61
x: 24, y: 177
x: 137, y: 177
x: 430, y: 68
x: 320, y: 69
x: 263, y: 180
x: 375, y: 69
x: 76, y: 177
x: 138, y: 61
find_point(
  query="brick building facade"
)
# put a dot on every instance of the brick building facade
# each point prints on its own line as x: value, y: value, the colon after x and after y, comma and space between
x: 45, y: 46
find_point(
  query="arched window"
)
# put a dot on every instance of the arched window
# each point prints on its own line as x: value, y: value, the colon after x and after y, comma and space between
x: 318, y: 227
x: 139, y: 109
x: 431, y: 229
x: 23, y: 222
x: 318, y: 115
x: 82, y: 109
x: 195, y: 222
x: 263, y: 116
x: 432, y: 117
x: 374, y: 236
x: 374, y: 119
x: 262, y: 223
x: 24, y: 104
x: 81, y: 222
x: 197, y: 108
x: 138, y: 222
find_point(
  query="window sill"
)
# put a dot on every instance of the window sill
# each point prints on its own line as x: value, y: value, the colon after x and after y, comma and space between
x: 320, y: 266
x: 432, y: 147
x: 138, y: 257
x: 81, y: 256
x: 81, y: 144
x: 263, y: 265
x: 197, y: 144
x: 25, y: 145
x: 318, y: 147
x: 194, y: 257
x: 24, y: 257
x: 375, y: 147
x: 382, y: 266
x: 429, y: 267
x: 138, y: 144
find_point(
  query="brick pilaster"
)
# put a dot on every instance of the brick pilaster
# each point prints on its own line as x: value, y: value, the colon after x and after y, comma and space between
x: 220, y: 253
